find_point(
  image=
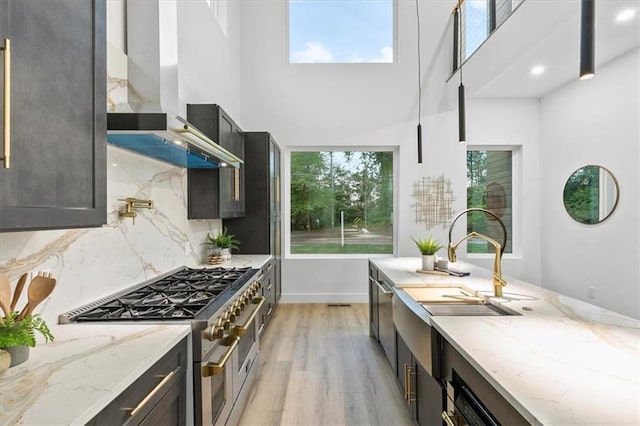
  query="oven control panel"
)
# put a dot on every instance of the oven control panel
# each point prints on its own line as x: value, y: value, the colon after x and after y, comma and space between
x: 228, y: 318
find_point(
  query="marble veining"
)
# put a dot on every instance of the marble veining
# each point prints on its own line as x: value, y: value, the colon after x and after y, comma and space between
x: 72, y: 379
x: 562, y: 361
x: 92, y: 263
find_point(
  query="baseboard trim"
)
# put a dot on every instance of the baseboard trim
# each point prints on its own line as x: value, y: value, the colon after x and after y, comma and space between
x: 324, y: 298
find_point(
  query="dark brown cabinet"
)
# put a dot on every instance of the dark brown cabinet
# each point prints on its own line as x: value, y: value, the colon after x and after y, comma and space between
x: 55, y: 105
x: 422, y: 393
x: 158, y: 397
x: 269, y: 293
x: 259, y: 230
x: 217, y: 193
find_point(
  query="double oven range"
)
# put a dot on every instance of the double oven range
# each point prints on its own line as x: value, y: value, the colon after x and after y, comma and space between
x: 222, y: 306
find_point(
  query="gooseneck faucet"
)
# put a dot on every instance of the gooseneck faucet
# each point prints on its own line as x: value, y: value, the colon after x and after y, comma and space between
x: 498, y: 281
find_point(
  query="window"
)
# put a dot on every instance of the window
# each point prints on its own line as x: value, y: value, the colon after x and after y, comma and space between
x: 490, y: 185
x: 341, y: 202
x: 480, y: 18
x: 340, y: 31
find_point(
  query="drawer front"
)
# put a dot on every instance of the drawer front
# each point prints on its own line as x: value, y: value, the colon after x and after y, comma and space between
x: 144, y: 397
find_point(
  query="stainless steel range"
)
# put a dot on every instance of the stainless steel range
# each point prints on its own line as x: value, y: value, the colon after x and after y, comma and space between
x: 221, y: 305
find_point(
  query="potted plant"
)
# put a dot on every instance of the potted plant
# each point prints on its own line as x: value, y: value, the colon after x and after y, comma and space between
x: 224, y: 241
x: 16, y: 337
x: 428, y: 249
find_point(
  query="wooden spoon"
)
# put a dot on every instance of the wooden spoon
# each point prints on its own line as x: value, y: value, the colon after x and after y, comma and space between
x: 39, y: 289
x: 18, y: 291
x: 5, y: 290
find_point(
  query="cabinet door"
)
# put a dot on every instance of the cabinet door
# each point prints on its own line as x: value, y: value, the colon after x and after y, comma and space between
x: 231, y: 179
x: 57, y: 85
x: 404, y: 363
x: 429, y: 397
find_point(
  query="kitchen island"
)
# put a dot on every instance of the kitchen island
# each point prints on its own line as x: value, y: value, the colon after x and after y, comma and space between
x: 70, y: 380
x: 561, y: 361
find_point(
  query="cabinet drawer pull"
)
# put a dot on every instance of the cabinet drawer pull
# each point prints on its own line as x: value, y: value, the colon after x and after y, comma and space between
x: 155, y: 390
x: 409, y: 390
x: 241, y: 329
x: 447, y: 419
x: 406, y: 380
x: 236, y: 184
x: 213, y: 368
x: 6, y: 112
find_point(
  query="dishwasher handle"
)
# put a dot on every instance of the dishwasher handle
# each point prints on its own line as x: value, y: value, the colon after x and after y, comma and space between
x: 387, y: 293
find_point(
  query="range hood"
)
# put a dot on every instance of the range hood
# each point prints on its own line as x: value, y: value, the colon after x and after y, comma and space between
x: 143, y: 101
x: 167, y: 138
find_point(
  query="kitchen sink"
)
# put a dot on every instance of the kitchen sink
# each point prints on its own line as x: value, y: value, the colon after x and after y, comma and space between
x: 467, y: 309
x: 455, y: 300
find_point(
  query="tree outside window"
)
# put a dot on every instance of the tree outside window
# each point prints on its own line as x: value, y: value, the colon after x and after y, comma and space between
x: 490, y: 186
x: 341, y: 202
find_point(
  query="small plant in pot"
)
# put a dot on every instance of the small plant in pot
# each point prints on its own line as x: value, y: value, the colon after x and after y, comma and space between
x: 224, y: 241
x: 16, y: 337
x: 428, y: 249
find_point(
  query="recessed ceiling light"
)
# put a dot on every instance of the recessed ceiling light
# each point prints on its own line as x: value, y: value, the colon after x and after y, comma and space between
x: 625, y: 15
x: 538, y: 70
x: 114, y: 164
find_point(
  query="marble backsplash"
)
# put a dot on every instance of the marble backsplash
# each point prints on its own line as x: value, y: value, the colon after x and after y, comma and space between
x: 91, y: 263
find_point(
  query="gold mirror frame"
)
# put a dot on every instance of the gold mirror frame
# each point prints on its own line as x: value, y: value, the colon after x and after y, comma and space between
x: 591, y: 194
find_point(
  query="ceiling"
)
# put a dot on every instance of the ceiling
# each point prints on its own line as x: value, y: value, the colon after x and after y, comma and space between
x: 545, y: 33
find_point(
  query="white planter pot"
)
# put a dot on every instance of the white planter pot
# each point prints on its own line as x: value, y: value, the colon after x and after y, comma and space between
x: 226, y: 254
x: 428, y: 262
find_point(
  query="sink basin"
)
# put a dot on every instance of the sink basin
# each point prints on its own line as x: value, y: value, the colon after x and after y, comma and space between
x: 467, y: 309
x: 442, y: 294
x: 455, y: 301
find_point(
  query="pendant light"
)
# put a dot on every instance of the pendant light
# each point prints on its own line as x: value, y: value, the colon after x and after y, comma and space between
x: 462, y: 137
x: 419, y: 90
x: 587, y: 39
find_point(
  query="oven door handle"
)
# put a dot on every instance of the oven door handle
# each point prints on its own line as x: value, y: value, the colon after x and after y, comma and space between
x: 239, y: 330
x: 213, y: 368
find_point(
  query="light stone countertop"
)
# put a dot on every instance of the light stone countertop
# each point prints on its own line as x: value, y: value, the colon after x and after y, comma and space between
x: 565, y: 362
x: 243, y: 261
x: 72, y: 379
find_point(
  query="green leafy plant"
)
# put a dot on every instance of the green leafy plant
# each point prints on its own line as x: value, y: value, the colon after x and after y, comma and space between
x: 222, y: 240
x: 23, y: 332
x: 427, y: 247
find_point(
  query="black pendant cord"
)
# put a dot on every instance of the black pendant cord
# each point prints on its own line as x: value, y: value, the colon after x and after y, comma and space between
x: 461, y: 97
x: 419, y: 90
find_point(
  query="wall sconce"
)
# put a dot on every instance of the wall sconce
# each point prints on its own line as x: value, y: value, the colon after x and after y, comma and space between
x: 587, y: 38
x: 133, y: 203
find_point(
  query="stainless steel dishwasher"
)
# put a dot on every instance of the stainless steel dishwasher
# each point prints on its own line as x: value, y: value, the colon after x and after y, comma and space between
x: 386, y: 332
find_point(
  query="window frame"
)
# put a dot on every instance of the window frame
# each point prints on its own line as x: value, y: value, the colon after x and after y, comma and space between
x: 394, y: 40
x: 516, y: 199
x: 286, y: 202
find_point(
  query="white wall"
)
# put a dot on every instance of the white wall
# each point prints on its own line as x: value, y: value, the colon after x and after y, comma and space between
x: 593, y: 122
x: 513, y: 122
x: 368, y: 105
x: 209, y: 57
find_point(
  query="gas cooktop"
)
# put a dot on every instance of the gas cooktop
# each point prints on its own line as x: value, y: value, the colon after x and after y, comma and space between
x: 182, y: 294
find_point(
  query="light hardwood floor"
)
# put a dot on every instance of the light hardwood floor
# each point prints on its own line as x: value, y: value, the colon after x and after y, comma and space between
x: 318, y: 366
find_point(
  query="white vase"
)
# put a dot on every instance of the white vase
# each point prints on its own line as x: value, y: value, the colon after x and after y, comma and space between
x: 428, y: 262
x: 226, y: 254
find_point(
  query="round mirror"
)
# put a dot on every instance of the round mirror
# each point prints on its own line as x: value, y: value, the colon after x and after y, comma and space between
x: 590, y: 194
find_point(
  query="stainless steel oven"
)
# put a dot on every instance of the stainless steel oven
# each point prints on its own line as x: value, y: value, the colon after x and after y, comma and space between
x: 464, y: 408
x: 222, y: 306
